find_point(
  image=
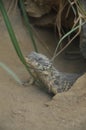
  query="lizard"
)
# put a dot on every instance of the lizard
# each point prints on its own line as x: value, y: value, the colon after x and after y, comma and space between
x: 44, y: 72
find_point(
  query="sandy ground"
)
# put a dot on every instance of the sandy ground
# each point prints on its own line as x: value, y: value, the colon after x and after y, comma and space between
x: 30, y: 108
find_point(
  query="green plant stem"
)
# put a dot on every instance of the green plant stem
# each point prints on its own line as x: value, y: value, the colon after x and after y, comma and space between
x: 67, y: 34
x: 12, y: 36
x: 26, y: 19
x: 10, y: 72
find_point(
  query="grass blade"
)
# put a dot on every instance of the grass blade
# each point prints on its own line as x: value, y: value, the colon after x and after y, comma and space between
x: 12, y: 36
x: 26, y: 19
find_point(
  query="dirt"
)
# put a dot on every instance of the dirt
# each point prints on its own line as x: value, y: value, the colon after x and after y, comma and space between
x: 25, y: 108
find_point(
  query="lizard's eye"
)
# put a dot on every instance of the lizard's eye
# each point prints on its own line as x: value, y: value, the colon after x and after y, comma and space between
x: 40, y: 58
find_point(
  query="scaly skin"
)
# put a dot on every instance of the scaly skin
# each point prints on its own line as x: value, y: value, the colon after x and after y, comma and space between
x: 51, y: 78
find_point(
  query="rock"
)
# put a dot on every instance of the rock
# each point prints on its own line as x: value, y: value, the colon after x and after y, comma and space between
x: 70, y: 106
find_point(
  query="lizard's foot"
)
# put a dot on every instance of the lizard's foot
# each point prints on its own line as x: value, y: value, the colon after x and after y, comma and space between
x: 28, y: 82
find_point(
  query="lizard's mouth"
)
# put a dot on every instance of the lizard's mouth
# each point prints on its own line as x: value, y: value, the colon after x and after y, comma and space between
x: 26, y: 59
x: 29, y: 63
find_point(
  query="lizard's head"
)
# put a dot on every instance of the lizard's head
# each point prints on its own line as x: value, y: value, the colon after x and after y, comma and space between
x: 38, y: 61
